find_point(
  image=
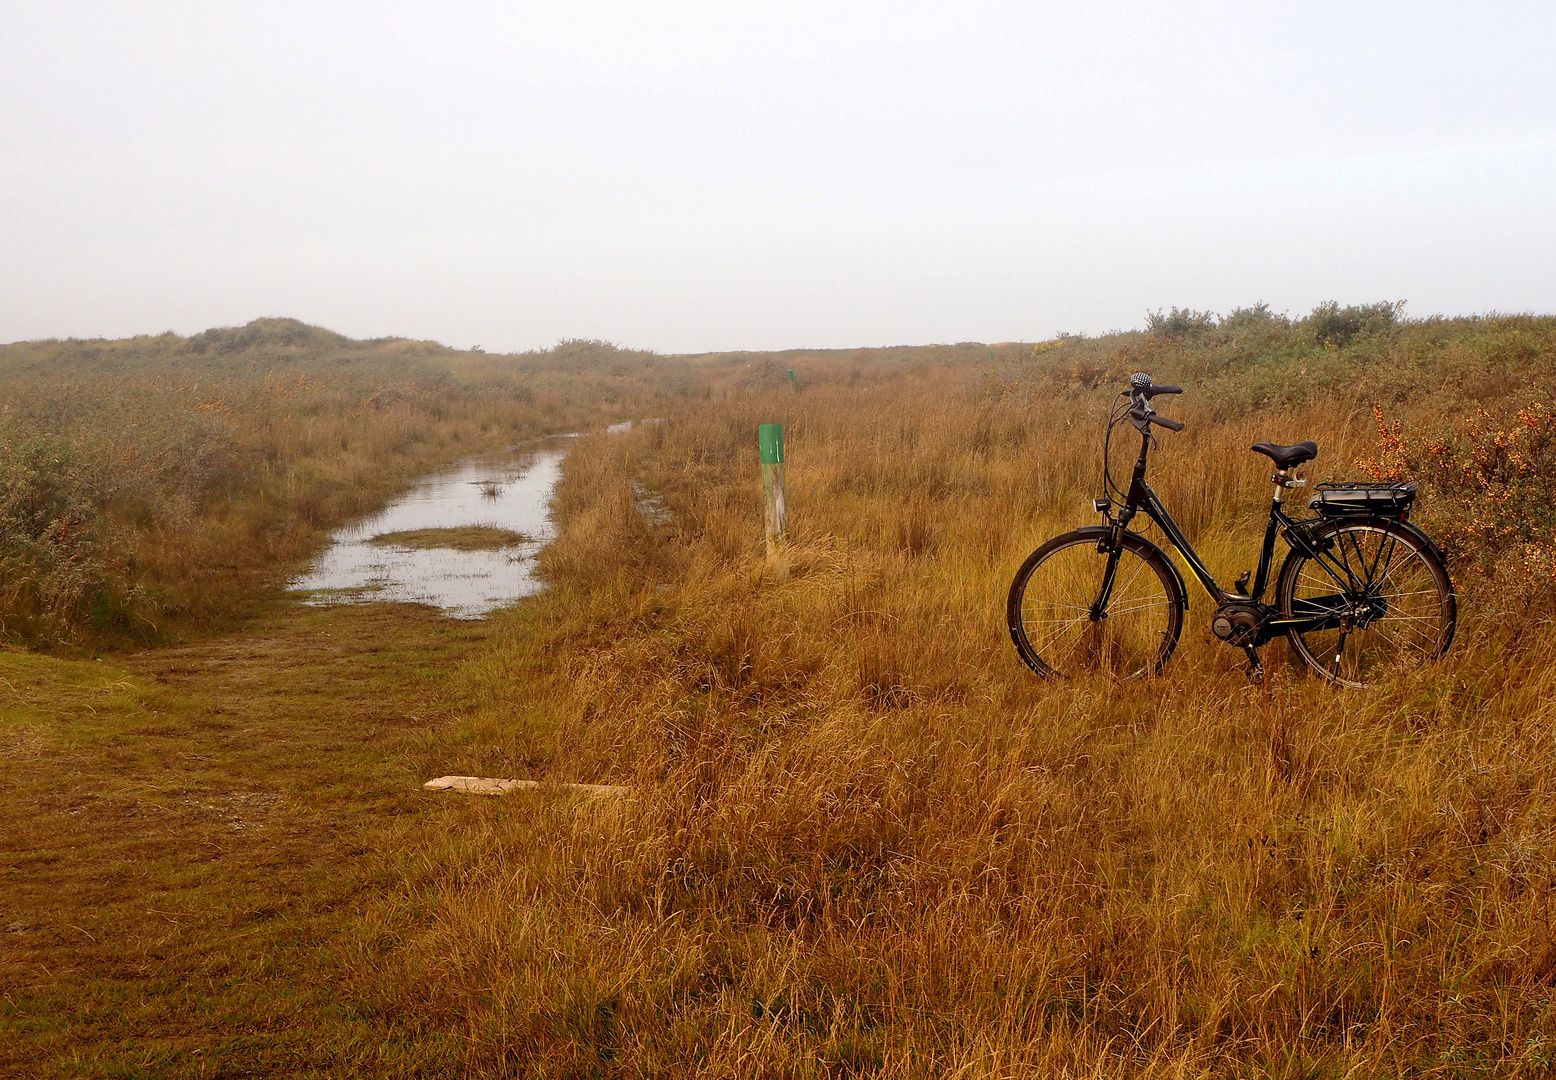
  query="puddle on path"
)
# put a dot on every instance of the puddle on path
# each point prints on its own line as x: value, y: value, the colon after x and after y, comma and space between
x: 508, y: 490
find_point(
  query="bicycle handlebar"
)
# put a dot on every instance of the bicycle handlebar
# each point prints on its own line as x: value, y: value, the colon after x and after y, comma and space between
x: 1140, y: 383
x: 1142, y: 390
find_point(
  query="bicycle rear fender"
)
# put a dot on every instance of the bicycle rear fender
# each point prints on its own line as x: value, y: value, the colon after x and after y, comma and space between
x: 1146, y: 548
x: 1426, y: 542
x: 1305, y: 530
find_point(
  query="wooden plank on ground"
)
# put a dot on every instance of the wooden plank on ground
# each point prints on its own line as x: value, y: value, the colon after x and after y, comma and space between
x: 488, y: 785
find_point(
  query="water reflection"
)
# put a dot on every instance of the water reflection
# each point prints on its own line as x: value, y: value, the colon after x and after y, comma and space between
x: 509, y: 490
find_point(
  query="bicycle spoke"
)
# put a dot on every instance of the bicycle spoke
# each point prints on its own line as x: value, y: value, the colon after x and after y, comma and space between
x: 1138, y: 605
x: 1416, y: 557
x: 1383, y: 632
x: 1391, y: 587
x: 1326, y: 562
x: 1054, y: 635
x: 1051, y: 612
x: 1387, y: 560
x: 1361, y: 559
x: 1402, y: 627
x: 1133, y: 577
x: 1412, y: 592
x: 1072, y: 607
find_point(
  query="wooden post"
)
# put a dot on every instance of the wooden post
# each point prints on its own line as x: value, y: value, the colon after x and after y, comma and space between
x: 769, y: 439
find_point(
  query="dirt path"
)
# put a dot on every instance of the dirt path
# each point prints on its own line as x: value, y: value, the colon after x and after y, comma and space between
x: 190, y: 837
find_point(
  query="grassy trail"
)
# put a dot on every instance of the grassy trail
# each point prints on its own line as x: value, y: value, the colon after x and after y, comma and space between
x: 193, y: 840
x: 863, y: 839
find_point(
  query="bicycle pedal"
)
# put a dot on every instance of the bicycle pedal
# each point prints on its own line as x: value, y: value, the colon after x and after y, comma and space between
x: 1255, y: 670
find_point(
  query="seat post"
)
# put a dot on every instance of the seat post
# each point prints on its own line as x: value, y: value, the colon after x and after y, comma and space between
x: 1279, y: 480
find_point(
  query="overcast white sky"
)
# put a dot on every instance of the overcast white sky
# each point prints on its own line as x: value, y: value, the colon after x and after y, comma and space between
x: 698, y: 176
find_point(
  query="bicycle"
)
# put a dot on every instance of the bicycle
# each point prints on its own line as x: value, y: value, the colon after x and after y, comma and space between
x: 1362, y: 594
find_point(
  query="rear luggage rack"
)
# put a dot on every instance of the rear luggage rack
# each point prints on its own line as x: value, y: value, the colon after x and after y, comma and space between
x: 1390, y: 499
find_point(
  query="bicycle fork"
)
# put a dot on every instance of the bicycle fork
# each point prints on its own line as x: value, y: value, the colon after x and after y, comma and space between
x: 1111, y: 544
x: 1099, y: 607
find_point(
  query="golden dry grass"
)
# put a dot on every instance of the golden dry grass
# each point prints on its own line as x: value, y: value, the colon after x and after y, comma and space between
x: 863, y: 839
x: 869, y: 842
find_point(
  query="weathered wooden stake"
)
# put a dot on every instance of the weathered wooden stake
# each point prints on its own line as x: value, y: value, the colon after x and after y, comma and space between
x: 769, y: 439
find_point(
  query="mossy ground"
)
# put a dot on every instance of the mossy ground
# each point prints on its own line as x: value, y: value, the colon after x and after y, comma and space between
x: 204, y: 849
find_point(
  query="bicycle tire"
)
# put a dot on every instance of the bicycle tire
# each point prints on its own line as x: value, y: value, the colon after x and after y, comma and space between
x: 1054, y: 588
x: 1388, y: 576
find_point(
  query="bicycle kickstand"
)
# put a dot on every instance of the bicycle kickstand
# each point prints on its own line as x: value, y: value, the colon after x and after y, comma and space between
x: 1255, y: 670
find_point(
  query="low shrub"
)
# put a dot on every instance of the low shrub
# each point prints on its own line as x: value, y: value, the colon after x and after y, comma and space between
x: 1492, y: 484
x: 1180, y: 322
x: 1332, y: 325
x: 51, y: 565
x: 1257, y: 317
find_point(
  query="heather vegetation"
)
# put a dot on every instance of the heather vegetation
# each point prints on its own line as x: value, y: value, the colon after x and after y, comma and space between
x: 862, y: 839
x: 148, y: 486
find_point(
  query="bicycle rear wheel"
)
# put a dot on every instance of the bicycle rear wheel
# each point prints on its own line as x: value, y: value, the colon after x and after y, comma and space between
x: 1381, y: 600
x: 1052, y: 599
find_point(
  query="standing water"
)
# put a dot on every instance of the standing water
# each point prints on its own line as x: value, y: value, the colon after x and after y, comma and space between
x: 464, y: 539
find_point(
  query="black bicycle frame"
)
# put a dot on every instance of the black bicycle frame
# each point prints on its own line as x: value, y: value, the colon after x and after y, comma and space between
x: 1322, y: 611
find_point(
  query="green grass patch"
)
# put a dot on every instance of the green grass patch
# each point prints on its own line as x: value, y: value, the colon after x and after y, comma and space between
x: 208, y: 854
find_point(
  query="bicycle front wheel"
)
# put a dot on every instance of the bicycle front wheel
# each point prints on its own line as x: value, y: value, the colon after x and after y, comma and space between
x: 1062, y: 630
x: 1379, y: 599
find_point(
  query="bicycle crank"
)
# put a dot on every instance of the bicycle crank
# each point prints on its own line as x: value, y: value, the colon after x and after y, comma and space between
x: 1238, y: 622
x: 1255, y: 670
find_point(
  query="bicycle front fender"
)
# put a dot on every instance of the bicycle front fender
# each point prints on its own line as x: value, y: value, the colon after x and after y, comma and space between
x: 1147, y: 548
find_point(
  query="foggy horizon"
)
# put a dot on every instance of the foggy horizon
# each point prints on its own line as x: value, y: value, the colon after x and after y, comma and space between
x: 1406, y: 316
x: 800, y: 176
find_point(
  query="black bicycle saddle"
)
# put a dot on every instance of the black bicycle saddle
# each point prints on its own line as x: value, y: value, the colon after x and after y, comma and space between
x: 1287, y: 456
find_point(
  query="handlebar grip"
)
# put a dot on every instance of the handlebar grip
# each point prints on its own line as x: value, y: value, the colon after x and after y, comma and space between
x: 1152, y: 391
x: 1170, y: 425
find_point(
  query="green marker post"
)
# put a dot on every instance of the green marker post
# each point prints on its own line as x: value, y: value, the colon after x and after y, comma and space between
x: 792, y: 384
x: 769, y: 440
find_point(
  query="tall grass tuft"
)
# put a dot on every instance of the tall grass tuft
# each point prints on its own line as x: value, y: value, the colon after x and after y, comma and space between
x: 865, y: 840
